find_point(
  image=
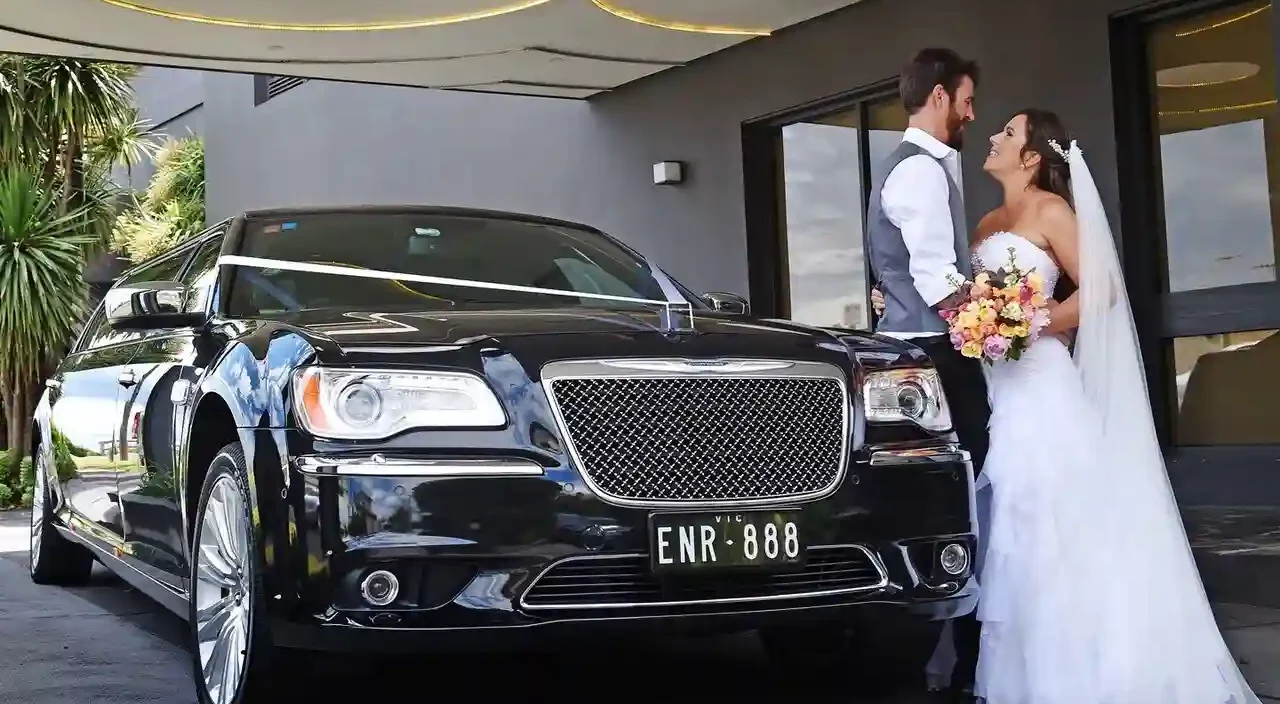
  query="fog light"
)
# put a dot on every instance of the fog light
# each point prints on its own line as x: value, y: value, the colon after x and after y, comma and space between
x: 380, y: 588
x: 954, y: 559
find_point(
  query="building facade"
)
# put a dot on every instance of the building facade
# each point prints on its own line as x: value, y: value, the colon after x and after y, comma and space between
x: 1174, y: 104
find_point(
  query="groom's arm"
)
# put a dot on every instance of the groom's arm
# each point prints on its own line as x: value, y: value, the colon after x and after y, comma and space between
x: 916, y: 199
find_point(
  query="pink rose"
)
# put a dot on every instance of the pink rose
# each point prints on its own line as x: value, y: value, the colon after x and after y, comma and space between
x: 957, y: 340
x: 996, y: 347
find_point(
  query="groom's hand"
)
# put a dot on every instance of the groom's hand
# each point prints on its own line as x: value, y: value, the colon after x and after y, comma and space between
x: 958, y: 298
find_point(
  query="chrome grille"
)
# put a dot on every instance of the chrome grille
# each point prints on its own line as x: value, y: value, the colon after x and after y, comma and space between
x: 705, y: 438
x: 626, y: 581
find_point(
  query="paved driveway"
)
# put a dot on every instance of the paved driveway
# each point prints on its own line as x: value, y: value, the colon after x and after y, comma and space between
x: 106, y: 644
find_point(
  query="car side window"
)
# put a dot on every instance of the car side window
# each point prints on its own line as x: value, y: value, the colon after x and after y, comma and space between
x: 98, y: 333
x: 96, y: 330
x: 202, y: 276
x: 166, y: 269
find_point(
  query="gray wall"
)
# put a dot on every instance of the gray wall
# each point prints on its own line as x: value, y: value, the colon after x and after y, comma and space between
x: 333, y: 143
x: 172, y: 101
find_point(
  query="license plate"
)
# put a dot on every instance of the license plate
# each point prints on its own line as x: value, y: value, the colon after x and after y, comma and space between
x: 693, y: 542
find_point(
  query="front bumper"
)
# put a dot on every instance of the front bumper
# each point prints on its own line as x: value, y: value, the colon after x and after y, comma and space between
x: 475, y: 542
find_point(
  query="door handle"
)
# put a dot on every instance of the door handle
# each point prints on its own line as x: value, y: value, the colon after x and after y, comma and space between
x: 127, y: 378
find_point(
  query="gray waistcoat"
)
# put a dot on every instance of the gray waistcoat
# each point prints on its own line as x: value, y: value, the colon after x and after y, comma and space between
x: 904, y: 309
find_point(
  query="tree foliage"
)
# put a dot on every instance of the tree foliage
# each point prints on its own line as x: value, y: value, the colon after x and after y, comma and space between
x: 171, y: 209
x: 64, y: 123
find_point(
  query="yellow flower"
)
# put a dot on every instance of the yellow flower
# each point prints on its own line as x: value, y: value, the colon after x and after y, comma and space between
x: 1035, y: 281
x: 989, y: 315
x: 983, y: 279
x: 1006, y: 330
x: 967, y: 320
x: 1012, y: 311
x: 1038, y: 300
x: 971, y: 349
x: 1022, y: 329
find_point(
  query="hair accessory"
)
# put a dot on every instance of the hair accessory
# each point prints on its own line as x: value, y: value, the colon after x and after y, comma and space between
x: 1062, y: 152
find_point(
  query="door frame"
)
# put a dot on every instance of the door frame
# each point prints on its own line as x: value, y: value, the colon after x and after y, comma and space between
x: 1201, y: 475
x: 763, y: 202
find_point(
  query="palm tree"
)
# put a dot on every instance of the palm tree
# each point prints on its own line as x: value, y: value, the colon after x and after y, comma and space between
x: 41, y: 291
x: 63, y: 124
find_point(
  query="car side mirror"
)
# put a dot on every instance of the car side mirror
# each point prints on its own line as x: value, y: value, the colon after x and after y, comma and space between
x: 150, y: 305
x: 727, y: 303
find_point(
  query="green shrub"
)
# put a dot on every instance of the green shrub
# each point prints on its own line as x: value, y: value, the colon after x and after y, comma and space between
x: 6, y: 495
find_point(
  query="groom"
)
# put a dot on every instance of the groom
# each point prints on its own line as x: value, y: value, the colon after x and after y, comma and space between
x: 919, y: 248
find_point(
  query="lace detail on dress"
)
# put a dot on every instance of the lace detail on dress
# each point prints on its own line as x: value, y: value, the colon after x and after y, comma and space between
x: 993, y: 253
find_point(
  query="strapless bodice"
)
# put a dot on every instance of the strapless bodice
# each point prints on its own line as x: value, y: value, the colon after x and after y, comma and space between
x: 994, y: 252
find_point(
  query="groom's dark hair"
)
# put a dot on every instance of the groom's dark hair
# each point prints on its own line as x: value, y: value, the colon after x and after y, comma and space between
x: 929, y: 68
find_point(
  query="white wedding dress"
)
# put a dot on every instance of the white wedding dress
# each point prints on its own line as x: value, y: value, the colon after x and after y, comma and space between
x: 1089, y: 591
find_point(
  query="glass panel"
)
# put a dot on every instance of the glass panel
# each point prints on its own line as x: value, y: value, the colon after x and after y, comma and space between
x: 1226, y: 385
x: 823, y: 191
x: 886, y: 121
x: 1214, y: 81
x: 497, y: 250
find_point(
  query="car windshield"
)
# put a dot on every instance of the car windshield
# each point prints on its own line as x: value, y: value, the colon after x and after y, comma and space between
x: 468, y: 247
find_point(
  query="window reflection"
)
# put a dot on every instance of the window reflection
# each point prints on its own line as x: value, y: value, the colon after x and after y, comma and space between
x: 1214, y: 82
x: 823, y: 191
x: 1226, y: 386
x: 886, y: 121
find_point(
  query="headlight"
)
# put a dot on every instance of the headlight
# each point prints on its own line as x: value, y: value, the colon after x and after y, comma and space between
x: 355, y: 404
x: 907, y: 395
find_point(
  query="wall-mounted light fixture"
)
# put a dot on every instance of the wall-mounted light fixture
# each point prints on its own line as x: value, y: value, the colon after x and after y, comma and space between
x: 667, y: 173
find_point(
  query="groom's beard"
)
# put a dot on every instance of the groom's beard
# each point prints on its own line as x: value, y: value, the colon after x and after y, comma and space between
x: 955, y: 131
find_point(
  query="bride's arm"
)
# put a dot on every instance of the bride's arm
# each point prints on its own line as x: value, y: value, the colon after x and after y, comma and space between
x: 1058, y: 223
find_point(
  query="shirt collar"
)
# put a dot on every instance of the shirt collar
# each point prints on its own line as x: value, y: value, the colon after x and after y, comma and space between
x: 923, y: 139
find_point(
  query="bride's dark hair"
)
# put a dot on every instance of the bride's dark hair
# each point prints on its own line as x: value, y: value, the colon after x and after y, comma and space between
x: 1053, y: 174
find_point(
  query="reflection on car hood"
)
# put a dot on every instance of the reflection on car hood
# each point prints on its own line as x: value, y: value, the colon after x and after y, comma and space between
x: 455, y: 327
x: 595, y: 330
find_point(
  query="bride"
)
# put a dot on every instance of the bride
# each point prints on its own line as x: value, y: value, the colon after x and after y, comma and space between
x: 1090, y: 593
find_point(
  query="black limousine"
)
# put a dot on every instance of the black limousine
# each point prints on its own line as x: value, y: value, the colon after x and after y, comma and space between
x: 402, y: 428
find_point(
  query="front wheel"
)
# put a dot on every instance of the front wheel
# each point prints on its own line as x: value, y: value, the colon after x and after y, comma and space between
x: 54, y: 559
x: 231, y: 648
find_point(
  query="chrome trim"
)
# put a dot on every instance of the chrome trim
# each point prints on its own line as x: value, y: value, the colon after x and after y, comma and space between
x: 936, y: 454
x: 875, y: 561
x: 684, y: 368
x: 383, y: 466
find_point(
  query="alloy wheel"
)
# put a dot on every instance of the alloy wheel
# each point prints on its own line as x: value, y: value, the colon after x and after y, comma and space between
x: 223, y: 591
x: 37, y: 513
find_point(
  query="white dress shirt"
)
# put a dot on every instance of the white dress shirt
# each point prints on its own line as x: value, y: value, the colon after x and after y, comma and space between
x: 916, y: 199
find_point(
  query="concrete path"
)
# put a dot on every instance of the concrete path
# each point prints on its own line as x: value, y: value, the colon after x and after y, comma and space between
x: 108, y: 644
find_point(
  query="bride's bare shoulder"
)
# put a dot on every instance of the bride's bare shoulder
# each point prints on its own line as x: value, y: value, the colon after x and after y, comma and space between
x: 1055, y: 217
x: 991, y: 223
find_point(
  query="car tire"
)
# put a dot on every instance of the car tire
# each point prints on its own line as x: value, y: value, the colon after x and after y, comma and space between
x: 54, y: 558
x: 232, y: 653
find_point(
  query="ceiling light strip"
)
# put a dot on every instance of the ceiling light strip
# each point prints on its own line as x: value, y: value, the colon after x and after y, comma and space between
x: 632, y: 16
x: 1223, y: 23
x: 1224, y: 108
x: 353, y: 27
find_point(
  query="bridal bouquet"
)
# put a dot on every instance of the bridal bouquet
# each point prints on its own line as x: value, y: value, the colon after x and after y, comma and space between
x: 1002, y: 314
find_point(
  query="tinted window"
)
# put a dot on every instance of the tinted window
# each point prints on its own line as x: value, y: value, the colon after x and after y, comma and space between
x: 202, y: 275
x: 491, y: 250
x: 165, y: 269
x: 96, y: 331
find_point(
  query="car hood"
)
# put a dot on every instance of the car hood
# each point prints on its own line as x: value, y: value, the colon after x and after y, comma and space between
x: 587, y: 331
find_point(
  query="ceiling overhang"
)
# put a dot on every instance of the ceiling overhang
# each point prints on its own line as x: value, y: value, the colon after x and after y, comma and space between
x: 558, y: 48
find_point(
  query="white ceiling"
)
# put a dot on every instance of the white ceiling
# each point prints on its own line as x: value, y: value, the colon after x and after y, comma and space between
x: 562, y: 48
